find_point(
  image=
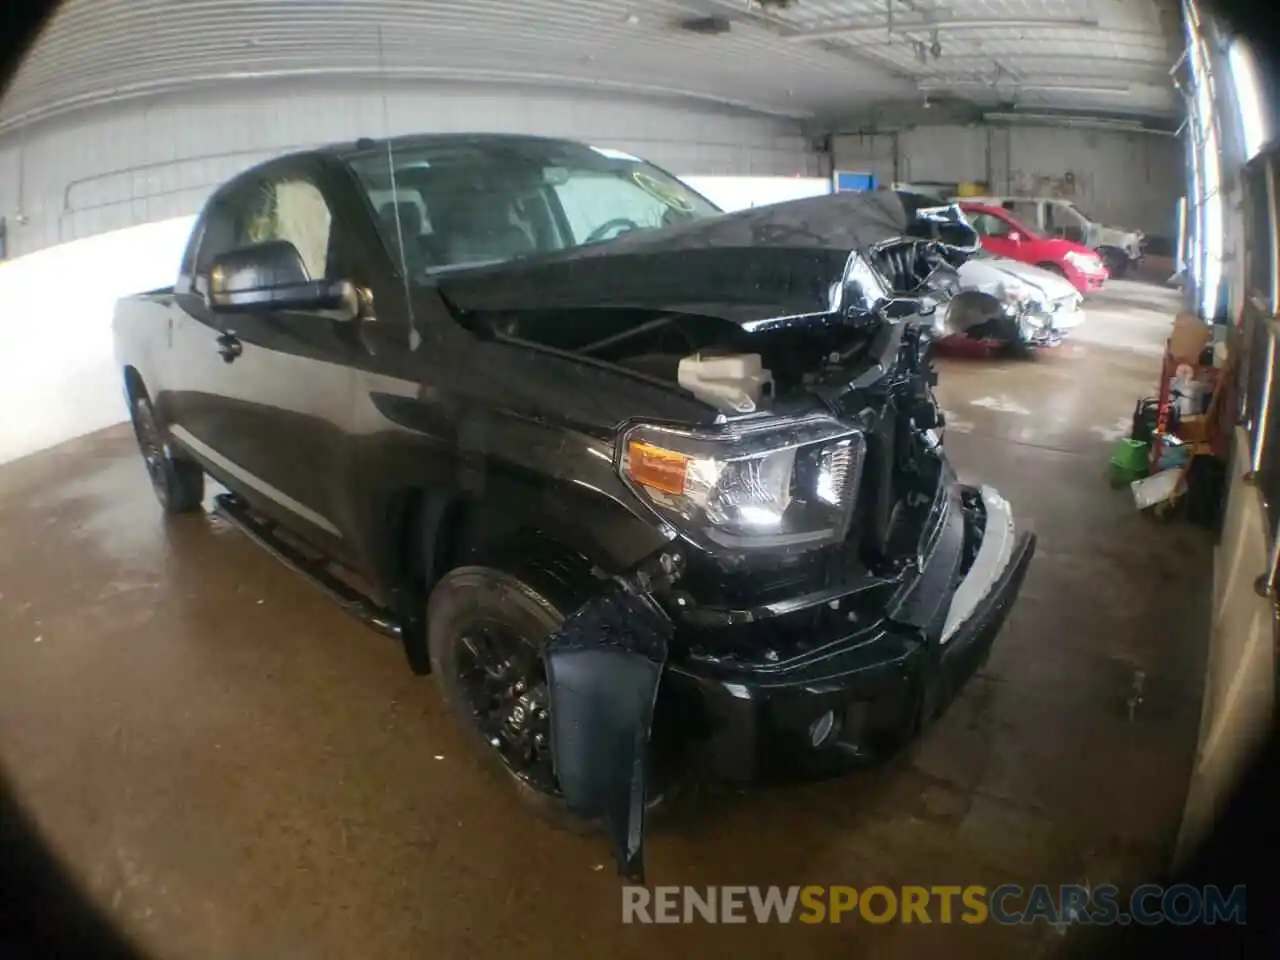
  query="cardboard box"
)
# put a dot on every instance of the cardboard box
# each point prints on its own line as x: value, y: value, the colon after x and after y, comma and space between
x: 1188, y: 338
x: 1194, y: 429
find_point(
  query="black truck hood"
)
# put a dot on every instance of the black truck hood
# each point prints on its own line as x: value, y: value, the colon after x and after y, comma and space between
x: 763, y: 266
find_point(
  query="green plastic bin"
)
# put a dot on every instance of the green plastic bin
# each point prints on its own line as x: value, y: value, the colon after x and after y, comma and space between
x: 1129, y: 460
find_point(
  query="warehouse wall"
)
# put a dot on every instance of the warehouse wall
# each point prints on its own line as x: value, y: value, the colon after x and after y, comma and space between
x: 149, y: 161
x: 1239, y: 692
x: 108, y: 199
x: 1124, y: 178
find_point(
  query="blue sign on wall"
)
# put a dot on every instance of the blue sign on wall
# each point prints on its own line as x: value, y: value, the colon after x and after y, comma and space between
x: 845, y: 181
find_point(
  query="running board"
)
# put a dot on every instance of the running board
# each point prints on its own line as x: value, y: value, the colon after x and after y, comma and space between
x: 316, y: 572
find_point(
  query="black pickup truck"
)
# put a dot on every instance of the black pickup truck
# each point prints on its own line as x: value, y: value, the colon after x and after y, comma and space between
x: 651, y: 489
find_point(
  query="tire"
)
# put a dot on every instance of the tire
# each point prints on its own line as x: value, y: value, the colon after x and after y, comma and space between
x: 178, y: 483
x: 1053, y: 268
x: 468, y: 600
x: 1117, y: 262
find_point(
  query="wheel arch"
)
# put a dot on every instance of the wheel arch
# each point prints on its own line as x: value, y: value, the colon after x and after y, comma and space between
x: 134, y: 385
x: 428, y: 532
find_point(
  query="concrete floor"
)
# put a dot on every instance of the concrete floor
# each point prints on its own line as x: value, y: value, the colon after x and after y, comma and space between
x: 235, y: 769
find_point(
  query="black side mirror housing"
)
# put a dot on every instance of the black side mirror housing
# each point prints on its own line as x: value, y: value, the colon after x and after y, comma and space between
x: 271, y: 276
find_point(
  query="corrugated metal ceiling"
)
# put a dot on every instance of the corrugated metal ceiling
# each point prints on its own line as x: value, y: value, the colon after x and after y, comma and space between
x: 804, y: 58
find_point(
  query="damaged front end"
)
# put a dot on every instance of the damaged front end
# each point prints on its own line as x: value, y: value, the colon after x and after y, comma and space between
x: 1003, y: 303
x: 828, y: 587
x: 828, y: 583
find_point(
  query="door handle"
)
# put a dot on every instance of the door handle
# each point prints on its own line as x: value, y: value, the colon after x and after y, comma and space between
x: 229, y: 347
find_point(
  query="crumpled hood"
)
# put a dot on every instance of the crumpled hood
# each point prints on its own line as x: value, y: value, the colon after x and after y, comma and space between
x: 783, y: 262
x: 989, y: 274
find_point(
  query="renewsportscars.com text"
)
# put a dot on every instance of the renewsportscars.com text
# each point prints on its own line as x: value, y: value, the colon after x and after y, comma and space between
x: 1147, y: 905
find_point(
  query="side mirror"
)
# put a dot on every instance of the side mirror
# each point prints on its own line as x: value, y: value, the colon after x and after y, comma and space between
x: 271, y: 276
x: 1014, y: 236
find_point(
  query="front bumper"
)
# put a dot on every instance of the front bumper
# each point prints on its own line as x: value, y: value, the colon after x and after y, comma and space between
x: 833, y: 707
x: 1087, y: 281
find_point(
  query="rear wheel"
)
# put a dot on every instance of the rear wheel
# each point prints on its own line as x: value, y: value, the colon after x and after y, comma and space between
x: 178, y: 483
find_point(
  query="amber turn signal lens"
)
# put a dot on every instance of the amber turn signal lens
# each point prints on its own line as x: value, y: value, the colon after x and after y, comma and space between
x: 656, y: 468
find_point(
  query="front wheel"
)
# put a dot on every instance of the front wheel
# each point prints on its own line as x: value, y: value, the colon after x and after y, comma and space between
x: 178, y: 483
x: 485, y: 633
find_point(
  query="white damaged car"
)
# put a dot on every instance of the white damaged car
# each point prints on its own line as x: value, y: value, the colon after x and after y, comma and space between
x: 1011, y: 305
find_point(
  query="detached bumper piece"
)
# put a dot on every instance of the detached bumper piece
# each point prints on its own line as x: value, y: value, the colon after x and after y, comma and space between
x: 855, y: 696
x: 810, y: 715
x: 604, y: 665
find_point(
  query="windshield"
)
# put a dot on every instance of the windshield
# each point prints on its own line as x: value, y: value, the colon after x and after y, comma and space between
x: 997, y: 227
x: 473, y: 202
x: 1083, y: 217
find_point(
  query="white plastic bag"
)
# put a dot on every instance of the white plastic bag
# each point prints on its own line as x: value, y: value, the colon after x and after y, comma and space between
x: 1156, y: 488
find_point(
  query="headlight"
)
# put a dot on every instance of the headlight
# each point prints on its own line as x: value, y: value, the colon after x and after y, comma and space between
x: 766, y: 485
x: 1083, y: 261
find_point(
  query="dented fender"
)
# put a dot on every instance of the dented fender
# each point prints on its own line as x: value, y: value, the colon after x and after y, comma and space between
x: 604, y: 666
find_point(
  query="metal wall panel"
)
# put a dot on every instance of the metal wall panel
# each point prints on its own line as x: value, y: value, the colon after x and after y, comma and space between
x: 1126, y: 179
x: 867, y: 153
x: 943, y: 154
x: 133, y: 164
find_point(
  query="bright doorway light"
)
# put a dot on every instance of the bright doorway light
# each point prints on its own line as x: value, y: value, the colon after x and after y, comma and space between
x: 1247, y: 84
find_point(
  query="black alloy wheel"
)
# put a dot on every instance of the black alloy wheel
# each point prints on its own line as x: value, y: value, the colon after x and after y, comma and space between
x: 504, y: 682
x: 485, y: 629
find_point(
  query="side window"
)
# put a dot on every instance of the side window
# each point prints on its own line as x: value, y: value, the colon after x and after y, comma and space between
x: 989, y: 226
x: 1067, y: 222
x: 1028, y: 211
x: 293, y: 209
x: 589, y: 202
x: 261, y: 208
x: 187, y: 268
x: 217, y: 231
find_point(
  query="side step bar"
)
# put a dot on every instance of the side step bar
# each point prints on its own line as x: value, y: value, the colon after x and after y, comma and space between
x: 317, y: 572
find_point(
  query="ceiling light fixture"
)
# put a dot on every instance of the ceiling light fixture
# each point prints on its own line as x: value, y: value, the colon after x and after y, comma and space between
x: 1079, y: 122
x: 1016, y: 87
x: 1071, y: 88
x: 954, y: 25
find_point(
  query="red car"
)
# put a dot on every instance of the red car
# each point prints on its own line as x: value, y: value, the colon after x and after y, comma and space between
x: 1004, y: 236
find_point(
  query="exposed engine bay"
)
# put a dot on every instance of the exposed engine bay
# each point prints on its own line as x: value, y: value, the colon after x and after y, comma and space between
x: 739, y: 370
x: 766, y: 326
